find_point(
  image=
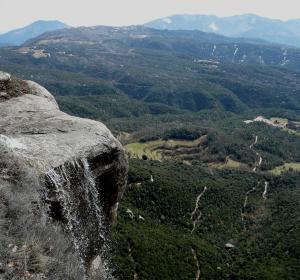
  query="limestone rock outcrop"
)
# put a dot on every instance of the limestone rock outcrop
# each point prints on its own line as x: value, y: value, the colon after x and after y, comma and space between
x: 71, y: 173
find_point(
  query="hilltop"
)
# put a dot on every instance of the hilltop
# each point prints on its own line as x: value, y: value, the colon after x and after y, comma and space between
x: 21, y: 35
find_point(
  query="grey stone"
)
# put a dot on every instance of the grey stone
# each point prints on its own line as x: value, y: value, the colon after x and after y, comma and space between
x: 229, y: 246
x: 4, y: 77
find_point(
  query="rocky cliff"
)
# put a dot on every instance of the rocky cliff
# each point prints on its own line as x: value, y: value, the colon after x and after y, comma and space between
x: 61, y: 179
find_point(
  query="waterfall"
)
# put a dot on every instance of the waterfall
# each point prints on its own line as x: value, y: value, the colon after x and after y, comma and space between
x: 74, y: 199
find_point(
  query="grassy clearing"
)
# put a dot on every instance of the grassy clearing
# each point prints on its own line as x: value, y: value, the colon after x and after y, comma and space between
x: 291, y: 166
x: 280, y: 121
x: 229, y: 164
x: 291, y: 131
x: 184, y: 143
x: 284, y: 122
x: 154, y: 150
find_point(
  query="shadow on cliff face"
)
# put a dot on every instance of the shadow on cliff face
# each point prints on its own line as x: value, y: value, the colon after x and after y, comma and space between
x: 82, y: 196
x: 31, y: 245
x: 54, y: 236
x: 12, y: 87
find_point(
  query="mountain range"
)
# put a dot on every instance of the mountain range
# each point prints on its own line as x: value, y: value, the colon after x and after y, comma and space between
x: 243, y: 26
x: 152, y: 70
x: 19, y: 36
x: 247, y: 25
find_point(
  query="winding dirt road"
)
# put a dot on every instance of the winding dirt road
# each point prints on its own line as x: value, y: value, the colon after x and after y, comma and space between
x: 135, y: 275
x: 195, y: 219
x: 260, y: 159
x: 243, y: 212
x: 264, y: 195
x: 198, y: 272
x: 254, y: 143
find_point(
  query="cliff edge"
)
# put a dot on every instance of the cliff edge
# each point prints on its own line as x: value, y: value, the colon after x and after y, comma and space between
x: 61, y: 178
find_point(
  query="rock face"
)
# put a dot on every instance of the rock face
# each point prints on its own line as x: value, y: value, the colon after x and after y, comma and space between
x: 71, y: 173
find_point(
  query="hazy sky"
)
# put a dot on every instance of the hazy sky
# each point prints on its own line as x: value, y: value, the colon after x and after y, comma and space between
x: 16, y: 13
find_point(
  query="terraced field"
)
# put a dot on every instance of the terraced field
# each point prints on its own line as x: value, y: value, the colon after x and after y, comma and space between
x: 229, y: 164
x: 178, y: 150
x: 156, y: 150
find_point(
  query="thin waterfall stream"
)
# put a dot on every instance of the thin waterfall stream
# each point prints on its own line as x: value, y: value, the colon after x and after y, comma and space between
x: 74, y: 199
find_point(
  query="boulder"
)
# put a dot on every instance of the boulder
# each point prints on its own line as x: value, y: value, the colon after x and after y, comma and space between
x: 4, y: 77
x: 229, y: 246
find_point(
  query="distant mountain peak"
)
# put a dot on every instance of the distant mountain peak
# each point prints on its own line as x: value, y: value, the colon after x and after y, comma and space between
x: 19, y: 36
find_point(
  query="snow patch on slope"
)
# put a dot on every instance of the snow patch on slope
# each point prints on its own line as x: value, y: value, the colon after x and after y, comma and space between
x: 235, y: 52
x: 214, y: 27
x: 285, y: 60
x: 214, y: 50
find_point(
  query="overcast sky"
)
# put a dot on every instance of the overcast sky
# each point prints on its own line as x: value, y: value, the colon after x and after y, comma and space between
x: 17, y: 13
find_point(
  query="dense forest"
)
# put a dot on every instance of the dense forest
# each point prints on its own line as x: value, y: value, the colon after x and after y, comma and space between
x: 233, y: 238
